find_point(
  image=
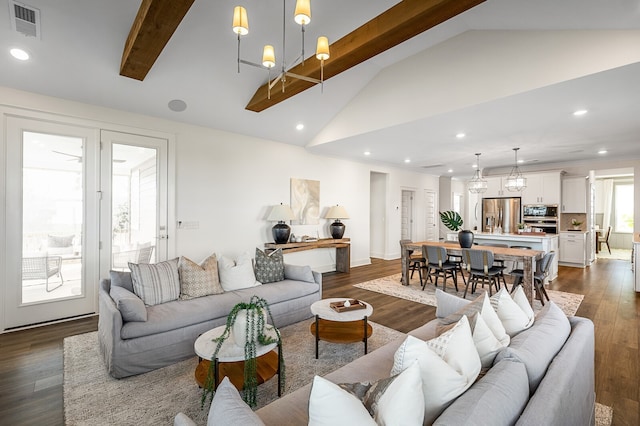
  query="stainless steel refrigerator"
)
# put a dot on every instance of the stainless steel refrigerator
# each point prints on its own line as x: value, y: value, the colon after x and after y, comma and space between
x: 501, y: 214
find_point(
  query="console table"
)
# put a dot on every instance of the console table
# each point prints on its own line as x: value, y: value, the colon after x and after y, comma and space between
x: 342, y: 246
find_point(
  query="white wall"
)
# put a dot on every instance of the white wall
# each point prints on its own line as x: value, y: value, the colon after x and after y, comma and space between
x: 378, y: 215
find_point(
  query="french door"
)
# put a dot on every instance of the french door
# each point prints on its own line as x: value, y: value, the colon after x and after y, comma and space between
x: 79, y: 202
x: 51, y: 221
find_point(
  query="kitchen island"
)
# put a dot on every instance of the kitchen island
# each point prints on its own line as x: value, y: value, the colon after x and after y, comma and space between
x: 545, y: 243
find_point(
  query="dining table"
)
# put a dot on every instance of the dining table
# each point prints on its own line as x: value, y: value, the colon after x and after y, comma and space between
x: 528, y: 257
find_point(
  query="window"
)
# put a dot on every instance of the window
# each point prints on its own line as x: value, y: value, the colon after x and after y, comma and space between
x: 623, y: 212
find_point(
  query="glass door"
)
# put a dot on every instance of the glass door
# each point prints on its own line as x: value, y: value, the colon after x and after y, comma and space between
x: 134, y: 200
x: 51, y: 221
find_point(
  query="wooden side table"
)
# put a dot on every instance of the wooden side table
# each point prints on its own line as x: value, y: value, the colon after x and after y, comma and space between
x: 230, y: 359
x: 340, y: 327
x: 342, y: 246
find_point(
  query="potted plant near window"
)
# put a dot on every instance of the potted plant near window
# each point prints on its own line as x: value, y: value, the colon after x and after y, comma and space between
x: 246, y: 326
x: 453, y: 221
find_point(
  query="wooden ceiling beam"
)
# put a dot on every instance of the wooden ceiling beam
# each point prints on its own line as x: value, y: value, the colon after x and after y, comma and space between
x: 394, y: 26
x: 154, y: 25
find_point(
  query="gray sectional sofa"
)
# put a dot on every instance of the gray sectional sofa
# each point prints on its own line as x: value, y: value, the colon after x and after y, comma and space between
x: 542, y: 378
x: 170, y: 330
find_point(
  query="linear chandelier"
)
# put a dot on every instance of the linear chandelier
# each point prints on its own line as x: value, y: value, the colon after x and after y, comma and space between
x: 302, y: 16
x: 515, y: 181
x: 477, y: 185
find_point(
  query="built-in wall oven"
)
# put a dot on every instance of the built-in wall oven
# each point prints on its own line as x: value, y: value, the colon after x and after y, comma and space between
x: 544, y: 217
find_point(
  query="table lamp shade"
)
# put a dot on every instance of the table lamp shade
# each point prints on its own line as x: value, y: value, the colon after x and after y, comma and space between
x: 281, y: 231
x: 337, y: 228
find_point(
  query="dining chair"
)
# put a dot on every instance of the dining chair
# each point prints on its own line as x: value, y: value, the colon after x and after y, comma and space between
x: 498, y: 263
x: 604, y: 240
x: 416, y: 263
x: 480, y: 267
x: 542, y: 271
x: 438, y: 265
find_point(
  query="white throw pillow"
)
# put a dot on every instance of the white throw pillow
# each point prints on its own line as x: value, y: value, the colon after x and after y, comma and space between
x: 395, y: 400
x: 449, y: 364
x: 493, y: 321
x: 238, y: 274
x: 228, y: 408
x: 486, y: 342
x: 331, y: 405
x: 514, y: 317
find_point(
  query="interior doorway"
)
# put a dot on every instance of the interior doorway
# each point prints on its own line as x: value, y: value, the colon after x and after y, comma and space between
x: 406, y: 217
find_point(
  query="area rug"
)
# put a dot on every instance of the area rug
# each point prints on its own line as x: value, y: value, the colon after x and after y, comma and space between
x: 92, y: 397
x: 604, y: 415
x: 618, y: 254
x: 568, y: 302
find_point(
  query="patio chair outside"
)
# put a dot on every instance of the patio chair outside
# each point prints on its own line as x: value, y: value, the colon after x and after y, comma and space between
x: 42, y: 268
x: 122, y: 259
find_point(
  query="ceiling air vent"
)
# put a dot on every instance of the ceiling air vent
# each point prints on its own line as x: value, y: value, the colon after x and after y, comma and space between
x: 25, y: 19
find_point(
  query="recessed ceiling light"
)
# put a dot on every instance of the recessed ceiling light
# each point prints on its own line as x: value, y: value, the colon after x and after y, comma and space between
x: 450, y: 171
x: 177, y: 105
x: 580, y: 112
x: 520, y: 161
x: 602, y: 151
x: 299, y: 126
x: 460, y: 135
x: 474, y: 166
x: 19, y: 54
x: 367, y: 153
x: 408, y: 160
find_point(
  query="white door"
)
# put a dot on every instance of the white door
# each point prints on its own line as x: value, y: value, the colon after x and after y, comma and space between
x: 134, y: 200
x: 51, y: 221
x: 406, y: 220
x: 431, y: 215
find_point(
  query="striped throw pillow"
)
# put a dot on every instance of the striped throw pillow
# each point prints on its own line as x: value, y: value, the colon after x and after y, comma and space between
x: 156, y: 283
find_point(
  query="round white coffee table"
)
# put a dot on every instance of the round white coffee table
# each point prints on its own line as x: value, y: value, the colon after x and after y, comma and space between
x: 230, y: 359
x: 340, y: 327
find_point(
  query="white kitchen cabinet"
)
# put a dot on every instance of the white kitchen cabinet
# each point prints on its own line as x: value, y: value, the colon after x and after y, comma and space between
x: 495, y: 188
x: 542, y: 188
x: 573, y: 249
x: 574, y: 195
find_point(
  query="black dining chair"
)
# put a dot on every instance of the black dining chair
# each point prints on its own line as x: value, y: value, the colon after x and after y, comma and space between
x: 542, y: 271
x: 438, y: 265
x: 480, y: 267
x: 498, y: 263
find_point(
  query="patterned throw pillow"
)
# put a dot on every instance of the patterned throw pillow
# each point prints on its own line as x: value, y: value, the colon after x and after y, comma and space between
x: 156, y: 283
x: 269, y: 267
x: 199, y: 280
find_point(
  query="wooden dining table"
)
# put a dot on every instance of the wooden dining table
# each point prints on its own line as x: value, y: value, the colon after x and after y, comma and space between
x: 528, y: 258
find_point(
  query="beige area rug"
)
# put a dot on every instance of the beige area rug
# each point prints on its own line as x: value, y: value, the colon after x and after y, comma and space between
x: 618, y: 254
x: 92, y: 397
x: 604, y: 415
x: 568, y: 302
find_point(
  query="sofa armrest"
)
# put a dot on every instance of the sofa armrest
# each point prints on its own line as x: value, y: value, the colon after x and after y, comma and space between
x: 109, y: 324
x: 317, y: 276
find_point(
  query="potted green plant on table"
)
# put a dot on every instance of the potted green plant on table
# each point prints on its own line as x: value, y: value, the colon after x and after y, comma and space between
x: 246, y: 325
x: 453, y: 221
x: 576, y: 223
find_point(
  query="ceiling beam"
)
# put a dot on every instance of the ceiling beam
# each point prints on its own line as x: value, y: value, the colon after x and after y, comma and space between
x: 394, y: 26
x: 154, y: 25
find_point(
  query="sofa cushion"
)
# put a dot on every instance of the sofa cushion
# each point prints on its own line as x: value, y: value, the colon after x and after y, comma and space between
x: 236, y: 274
x: 156, y: 283
x: 449, y: 364
x: 330, y: 405
x: 298, y: 273
x: 496, y: 399
x: 537, y: 346
x: 228, y: 408
x: 515, y: 313
x: 269, y: 267
x: 181, y: 313
x: 121, y: 279
x: 447, y: 304
x: 278, y: 292
x: 131, y: 307
x: 480, y: 305
x: 199, y: 280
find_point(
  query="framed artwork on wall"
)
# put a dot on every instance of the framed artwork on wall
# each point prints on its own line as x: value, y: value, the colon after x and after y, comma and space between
x: 305, y: 201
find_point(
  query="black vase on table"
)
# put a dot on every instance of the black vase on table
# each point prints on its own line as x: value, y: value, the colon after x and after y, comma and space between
x: 465, y: 238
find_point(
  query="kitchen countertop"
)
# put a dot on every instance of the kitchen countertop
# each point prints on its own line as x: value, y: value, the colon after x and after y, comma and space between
x: 522, y: 236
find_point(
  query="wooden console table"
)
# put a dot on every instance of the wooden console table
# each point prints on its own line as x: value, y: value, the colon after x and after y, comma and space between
x: 342, y: 246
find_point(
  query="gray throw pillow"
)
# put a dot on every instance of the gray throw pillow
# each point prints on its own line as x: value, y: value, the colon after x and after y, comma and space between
x: 298, y: 273
x: 130, y: 306
x: 121, y: 279
x: 447, y: 304
x: 537, y: 346
x: 156, y: 283
x: 228, y: 408
x: 269, y: 267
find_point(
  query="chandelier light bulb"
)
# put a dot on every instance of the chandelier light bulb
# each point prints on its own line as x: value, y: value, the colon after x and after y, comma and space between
x: 240, y: 21
x: 322, y: 48
x: 268, y: 56
x: 302, y: 14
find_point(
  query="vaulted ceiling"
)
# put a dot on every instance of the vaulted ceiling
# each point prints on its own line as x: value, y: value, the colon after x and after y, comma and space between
x: 506, y: 73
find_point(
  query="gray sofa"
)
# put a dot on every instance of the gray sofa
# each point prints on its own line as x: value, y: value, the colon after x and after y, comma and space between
x: 168, y: 334
x: 521, y: 388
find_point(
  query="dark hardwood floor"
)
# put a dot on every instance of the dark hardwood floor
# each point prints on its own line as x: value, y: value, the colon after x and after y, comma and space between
x: 31, y: 360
